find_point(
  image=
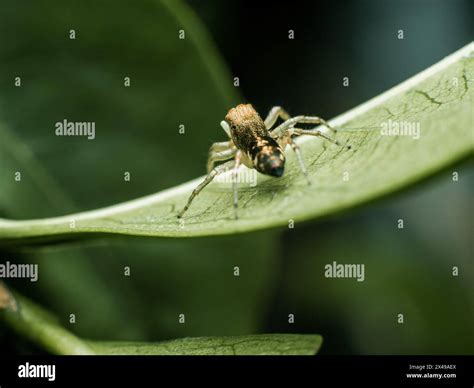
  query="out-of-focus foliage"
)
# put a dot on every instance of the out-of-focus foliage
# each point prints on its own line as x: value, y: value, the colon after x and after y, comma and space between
x: 41, y: 327
x: 82, y: 79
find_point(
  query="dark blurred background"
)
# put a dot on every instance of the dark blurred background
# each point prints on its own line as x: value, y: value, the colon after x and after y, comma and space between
x: 332, y: 40
x: 408, y: 271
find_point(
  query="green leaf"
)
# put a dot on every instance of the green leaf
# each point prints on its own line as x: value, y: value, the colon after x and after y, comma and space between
x: 263, y: 344
x: 40, y: 327
x: 136, y: 132
x: 439, y: 100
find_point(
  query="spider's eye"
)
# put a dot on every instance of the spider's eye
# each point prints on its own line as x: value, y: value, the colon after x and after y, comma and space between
x: 233, y: 126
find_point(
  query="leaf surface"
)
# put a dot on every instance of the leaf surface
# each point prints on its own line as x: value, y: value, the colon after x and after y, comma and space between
x: 437, y: 102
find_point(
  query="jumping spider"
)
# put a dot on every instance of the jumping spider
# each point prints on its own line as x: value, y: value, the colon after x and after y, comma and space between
x: 255, y: 144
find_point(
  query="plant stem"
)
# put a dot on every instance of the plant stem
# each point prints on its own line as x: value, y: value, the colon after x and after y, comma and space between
x: 32, y: 322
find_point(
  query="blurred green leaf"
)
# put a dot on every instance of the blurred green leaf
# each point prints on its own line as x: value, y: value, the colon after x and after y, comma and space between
x: 438, y: 100
x: 39, y: 326
x: 83, y: 80
x: 262, y: 344
x: 173, y: 82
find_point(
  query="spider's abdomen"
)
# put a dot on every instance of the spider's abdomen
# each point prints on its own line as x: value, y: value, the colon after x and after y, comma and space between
x: 267, y: 156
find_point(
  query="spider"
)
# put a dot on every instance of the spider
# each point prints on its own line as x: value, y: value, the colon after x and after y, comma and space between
x: 256, y: 145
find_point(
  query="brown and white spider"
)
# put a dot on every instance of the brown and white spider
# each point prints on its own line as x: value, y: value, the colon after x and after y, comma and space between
x: 255, y: 144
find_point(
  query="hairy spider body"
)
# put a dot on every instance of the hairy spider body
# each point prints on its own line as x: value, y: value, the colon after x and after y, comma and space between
x: 254, y: 143
x: 250, y: 135
x: 246, y: 125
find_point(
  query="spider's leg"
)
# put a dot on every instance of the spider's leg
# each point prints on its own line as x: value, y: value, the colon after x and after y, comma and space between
x: 221, y: 146
x: 297, y: 150
x: 225, y: 126
x: 290, y: 123
x: 275, y: 113
x: 317, y: 121
x: 219, y: 152
x: 208, y: 179
x: 287, y: 139
x: 312, y: 132
x: 237, y: 162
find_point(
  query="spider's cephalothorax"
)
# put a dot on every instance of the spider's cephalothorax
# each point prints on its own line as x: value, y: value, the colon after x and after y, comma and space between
x: 254, y: 143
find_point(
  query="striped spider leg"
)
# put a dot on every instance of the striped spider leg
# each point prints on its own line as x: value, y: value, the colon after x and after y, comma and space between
x: 285, y: 132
